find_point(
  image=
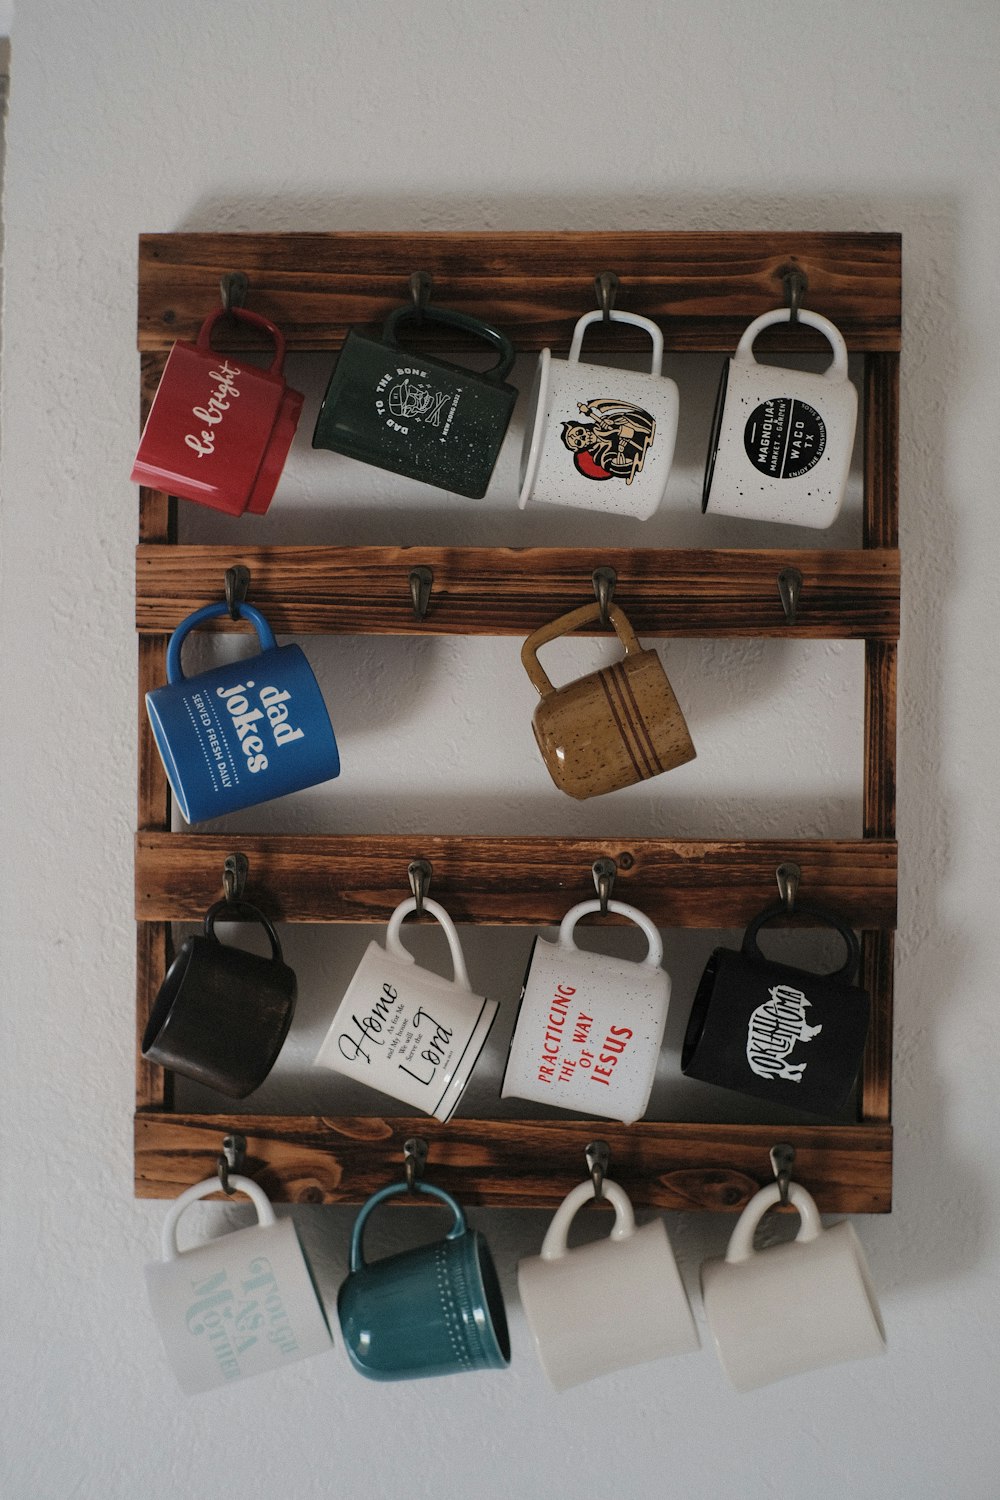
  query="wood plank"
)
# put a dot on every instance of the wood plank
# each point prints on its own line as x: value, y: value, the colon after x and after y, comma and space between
x: 879, y: 800
x: 704, y: 286
x: 677, y: 592
x: 877, y: 950
x: 519, y: 1164
x: 153, y: 1086
x: 153, y: 787
x: 687, y: 883
x: 881, y: 450
x: 157, y: 511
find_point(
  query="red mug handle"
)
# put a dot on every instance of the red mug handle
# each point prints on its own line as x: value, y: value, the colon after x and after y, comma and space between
x: 246, y: 316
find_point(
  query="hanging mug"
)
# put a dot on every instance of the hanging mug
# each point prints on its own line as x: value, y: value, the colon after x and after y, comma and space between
x: 219, y: 428
x: 612, y: 728
x: 416, y: 415
x: 600, y: 439
x: 434, y: 1310
x: 222, y: 1014
x: 607, y: 1305
x: 590, y: 1025
x: 781, y: 439
x: 793, y: 1307
x: 238, y: 1305
x: 775, y: 1031
x: 405, y: 1030
x: 244, y: 733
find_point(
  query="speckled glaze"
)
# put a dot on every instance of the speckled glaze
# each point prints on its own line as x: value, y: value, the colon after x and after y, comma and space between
x: 606, y: 1305
x: 562, y: 394
x: 612, y: 728
x: 778, y: 489
x: 590, y: 1025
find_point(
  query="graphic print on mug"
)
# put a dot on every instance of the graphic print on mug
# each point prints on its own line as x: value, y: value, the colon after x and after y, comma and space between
x: 406, y: 1031
x: 219, y: 428
x: 589, y: 1025
x: 238, y: 1305
x: 434, y: 1310
x: 607, y: 1305
x: 612, y: 728
x: 243, y: 733
x: 419, y: 415
x: 793, y: 1307
x: 782, y: 439
x: 600, y: 438
x: 775, y: 1031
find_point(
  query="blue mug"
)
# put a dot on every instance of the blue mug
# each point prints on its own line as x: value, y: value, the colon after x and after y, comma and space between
x: 435, y: 1310
x: 244, y: 733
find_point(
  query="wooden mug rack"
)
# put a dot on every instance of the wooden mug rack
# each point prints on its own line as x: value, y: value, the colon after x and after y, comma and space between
x: 704, y: 289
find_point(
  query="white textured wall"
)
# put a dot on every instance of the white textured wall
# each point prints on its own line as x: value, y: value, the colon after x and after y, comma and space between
x: 131, y: 116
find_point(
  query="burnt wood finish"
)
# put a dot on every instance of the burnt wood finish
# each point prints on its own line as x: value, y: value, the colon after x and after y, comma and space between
x: 506, y: 591
x: 518, y: 1163
x: 498, y: 881
x: 703, y: 287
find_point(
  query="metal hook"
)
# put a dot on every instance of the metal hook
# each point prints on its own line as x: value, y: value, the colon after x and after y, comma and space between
x: 237, y: 587
x: 414, y: 1159
x: 598, y: 1156
x: 421, y: 581
x: 234, y: 876
x: 606, y: 284
x: 233, y: 290
x: 234, y: 1150
x: 788, y: 876
x: 604, y: 581
x: 605, y: 870
x: 782, y: 1161
x: 421, y: 283
x: 796, y: 284
x: 789, y: 591
x: 419, y: 872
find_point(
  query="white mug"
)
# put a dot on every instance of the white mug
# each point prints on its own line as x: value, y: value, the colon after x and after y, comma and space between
x: 607, y: 1305
x: 238, y: 1305
x: 406, y: 1031
x: 590, y: 1025
x: 792, y: 1307
x: 782, y: 439
x: 598, y: 438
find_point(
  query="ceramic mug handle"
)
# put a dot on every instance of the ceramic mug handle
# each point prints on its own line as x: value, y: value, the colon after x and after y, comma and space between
x: 244, y: 315
x: 634, y: 319
x: 242, y: 911
x: 260, y: 1200
x: 357, y: 1257
x: 265, y: 635
x: 835, y: 371
x: 554, y: 1245
x: 654, y: 955
x: 741, y: 1247
x: 394, y: 944
x: 585, y: 615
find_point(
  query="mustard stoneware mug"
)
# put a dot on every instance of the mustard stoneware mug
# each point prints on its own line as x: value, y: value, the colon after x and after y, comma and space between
x: 612, y: 728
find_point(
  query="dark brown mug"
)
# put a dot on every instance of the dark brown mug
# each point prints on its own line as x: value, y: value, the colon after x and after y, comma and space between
x: 222, y: 1014
x: 613, y: 727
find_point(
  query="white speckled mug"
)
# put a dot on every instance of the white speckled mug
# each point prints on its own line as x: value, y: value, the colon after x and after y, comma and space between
x: 781, y: 439
x: 600, y: 439
x: 590, y: 1025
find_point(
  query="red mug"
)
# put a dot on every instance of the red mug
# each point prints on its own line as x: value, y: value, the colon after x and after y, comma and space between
x: 219, y: 429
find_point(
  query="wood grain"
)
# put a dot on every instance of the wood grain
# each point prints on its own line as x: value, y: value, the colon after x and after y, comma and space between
x: 879, y: 811
x: 153, y: 1086
x: 510, y: 591
x: 499, y: 881
x: 881, y: 450
x: 703, y: 287
x: 877, y: 949
x: 519, y: 1164
x: 153, y: 788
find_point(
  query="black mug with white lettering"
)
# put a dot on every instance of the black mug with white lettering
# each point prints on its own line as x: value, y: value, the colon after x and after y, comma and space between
x: 222, y: 1014
x: 775, y: 1031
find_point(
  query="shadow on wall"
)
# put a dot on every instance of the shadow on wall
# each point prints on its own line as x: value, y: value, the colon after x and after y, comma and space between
x: 933, y: 1185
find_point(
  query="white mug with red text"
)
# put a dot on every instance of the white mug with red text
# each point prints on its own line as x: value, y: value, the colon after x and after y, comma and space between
x: 406, y: 1031
x: 590, y: 1025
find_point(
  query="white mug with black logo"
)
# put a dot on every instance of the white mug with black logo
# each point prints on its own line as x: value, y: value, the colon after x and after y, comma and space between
x: 405, y: 1030
x: 782, y: 439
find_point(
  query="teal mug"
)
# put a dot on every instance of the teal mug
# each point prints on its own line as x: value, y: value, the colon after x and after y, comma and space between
x: 434, y: 1310
x: 426, y: 418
